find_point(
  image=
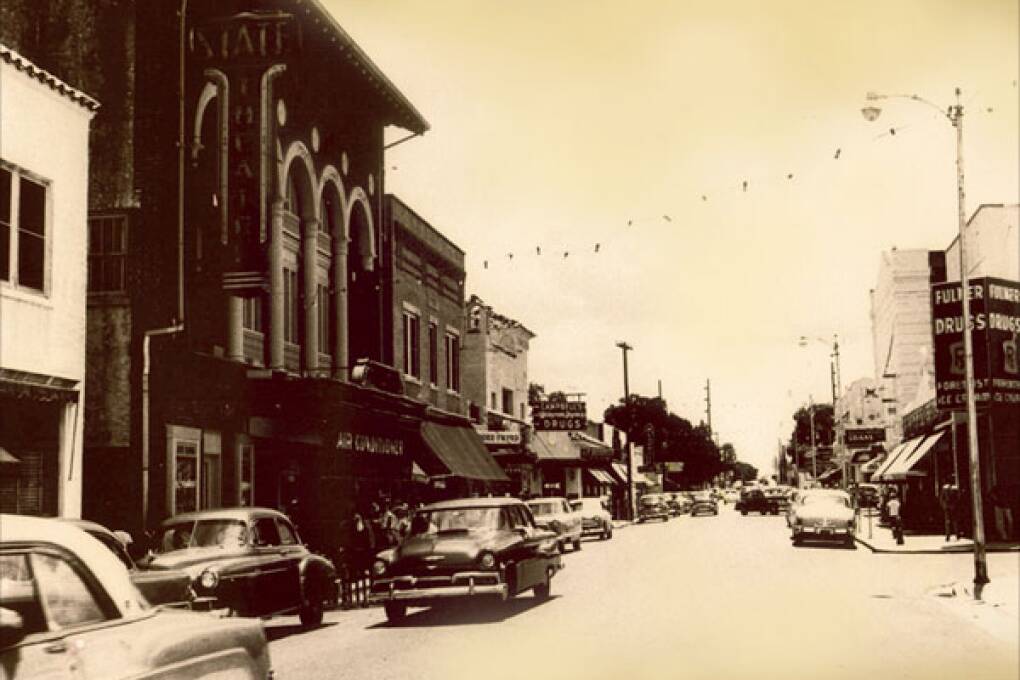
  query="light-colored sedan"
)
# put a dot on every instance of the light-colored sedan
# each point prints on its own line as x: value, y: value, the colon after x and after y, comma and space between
x: 68, y: 608
x: 555, y: 514
x: 823, y: 515
x: 595, y: 517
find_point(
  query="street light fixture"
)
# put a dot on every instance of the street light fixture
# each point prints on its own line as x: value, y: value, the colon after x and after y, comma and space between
x: 954, y: 114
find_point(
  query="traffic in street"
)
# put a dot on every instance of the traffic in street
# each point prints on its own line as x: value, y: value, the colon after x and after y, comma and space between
x: 700, y: 597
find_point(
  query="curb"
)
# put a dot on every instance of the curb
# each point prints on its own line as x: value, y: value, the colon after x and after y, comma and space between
x: 955, y: 550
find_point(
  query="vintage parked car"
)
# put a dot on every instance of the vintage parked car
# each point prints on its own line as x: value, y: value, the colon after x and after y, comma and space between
x: 730, y: 496
x: 824, y: 515
x: 779, y: 495
x: 556, y: 515
x: 866, y: 495
x: 652, y: 506
x: 68, y: 609
x: 250, y: 560
x: 704, y: 504
x: 167, y: 587
x: 753, y: 499
x: 465, y: 549
x: 595, y: 517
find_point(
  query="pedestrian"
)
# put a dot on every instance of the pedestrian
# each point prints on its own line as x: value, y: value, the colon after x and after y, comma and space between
x: 949, y: 499
x: 388, y: 526
x: 892, y: 509
x: 362, y: 545
x: 1003, y: 513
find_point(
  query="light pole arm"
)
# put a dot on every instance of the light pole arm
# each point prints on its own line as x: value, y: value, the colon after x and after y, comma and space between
x: 872, y: 96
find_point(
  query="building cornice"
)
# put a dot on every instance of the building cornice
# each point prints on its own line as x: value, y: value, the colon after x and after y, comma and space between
x: 22, y: 64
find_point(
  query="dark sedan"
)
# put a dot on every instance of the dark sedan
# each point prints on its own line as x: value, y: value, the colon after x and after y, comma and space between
x: 465, y: 549
x: 250, y: 560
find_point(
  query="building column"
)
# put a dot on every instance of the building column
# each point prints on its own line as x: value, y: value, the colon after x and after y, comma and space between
x: 69, y: 454
x: 235, y: 328
x: 309, y: 256
x: 341, y: 369
x: 276, y: 320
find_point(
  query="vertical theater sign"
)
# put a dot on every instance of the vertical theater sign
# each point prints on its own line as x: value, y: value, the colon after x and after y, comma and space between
x: 995, y: 325
x: 234, y: 61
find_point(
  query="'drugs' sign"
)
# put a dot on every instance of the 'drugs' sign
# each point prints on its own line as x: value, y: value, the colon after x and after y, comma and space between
x: 995, y: 322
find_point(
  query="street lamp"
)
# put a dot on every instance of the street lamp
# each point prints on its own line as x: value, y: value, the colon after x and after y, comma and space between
x: 833, y: 376
x: 954, y: 114
x: 626, y: 401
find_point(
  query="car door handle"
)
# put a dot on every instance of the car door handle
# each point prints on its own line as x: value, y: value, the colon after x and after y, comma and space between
x: 56, y: 648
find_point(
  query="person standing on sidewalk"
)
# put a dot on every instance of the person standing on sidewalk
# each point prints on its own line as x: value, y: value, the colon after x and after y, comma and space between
x: 892, y: 509
x: 1003, y: 513
x: 949, y: 499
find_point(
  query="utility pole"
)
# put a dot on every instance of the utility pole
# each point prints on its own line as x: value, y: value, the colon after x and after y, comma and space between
x: 626, y: 400
x: 660, y: 390
x: 814, y: 450
x: 708, y: 405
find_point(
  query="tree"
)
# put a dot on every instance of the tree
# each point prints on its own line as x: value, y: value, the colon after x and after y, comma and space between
x: 536, y: 392
x: 824, y: 430
x: 745, y: 472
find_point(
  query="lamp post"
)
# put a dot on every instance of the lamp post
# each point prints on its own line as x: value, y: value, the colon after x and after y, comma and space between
x: 954, y: 114
x: 626, y: 400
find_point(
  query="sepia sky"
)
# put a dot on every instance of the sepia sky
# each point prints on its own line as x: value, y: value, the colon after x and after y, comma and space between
x: 634, y: 125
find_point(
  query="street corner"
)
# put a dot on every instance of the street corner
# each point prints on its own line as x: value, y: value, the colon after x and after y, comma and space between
x: 996, y: 613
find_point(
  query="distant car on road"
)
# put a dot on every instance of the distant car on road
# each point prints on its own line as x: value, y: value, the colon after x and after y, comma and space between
x: 595, y: 517
x: 866, y: 495
x: 250, y: 560
x: 465, y: 549
x: 704, y: 504
x: 823, y: 515
x: 779, y: 496
x: 753, y: 499
x: 68, y: 609
x: 652, y: 506
x: 554, y: 513
x: 169, y: 587
x: 730, y: 496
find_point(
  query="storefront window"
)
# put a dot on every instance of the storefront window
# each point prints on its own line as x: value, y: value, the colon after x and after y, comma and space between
x: 185, y: 477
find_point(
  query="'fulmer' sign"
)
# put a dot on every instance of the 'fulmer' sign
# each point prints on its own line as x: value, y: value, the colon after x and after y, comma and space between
x: 995, y: 331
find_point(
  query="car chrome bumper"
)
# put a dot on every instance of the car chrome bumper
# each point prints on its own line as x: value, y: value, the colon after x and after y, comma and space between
x: 463, y: 585
x: 824, y: 531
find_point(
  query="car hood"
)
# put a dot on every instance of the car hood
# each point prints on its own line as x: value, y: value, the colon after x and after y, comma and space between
x: 194, y: 560
x: 452, y: 547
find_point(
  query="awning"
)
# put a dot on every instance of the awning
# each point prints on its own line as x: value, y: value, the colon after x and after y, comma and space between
x: 600, y: 476
x: 829, y: 474
x: 904, y: 467
x: 872, y: 465
x: 8, y: 458
x: 458, y: 451
x: 898, y: 454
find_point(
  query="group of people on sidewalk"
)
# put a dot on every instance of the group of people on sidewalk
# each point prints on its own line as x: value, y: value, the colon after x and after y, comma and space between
x: 955, y: 511
x: 380, y: 526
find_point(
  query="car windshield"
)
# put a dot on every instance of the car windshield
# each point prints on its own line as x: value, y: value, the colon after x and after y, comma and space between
x: 206, y: 533
x: 544, y: 508
x: 456, y: 519
x: 817, y: 499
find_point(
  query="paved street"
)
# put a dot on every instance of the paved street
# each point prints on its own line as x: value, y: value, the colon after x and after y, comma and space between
x: 708, y: 597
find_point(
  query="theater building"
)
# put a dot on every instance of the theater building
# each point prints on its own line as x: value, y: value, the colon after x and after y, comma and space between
x: 241, y: 268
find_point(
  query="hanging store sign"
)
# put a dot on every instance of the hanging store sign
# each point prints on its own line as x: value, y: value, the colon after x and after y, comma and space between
x: 500, y: 438
x: 995, y: 333
x: 858, y: 438
x: 559, y: 415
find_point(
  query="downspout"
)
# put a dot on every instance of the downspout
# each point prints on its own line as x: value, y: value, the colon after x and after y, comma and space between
x: 169, y: 330
x: 178, y: 327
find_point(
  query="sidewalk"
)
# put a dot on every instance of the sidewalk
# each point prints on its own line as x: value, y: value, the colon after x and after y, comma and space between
x: 882, y: 541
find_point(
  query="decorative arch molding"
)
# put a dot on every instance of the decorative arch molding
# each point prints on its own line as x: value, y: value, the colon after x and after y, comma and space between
x: 267, y: 137
x: 358, y: 198
x: 217, y: 87
x: 330, y: 175
x: 297, y: 152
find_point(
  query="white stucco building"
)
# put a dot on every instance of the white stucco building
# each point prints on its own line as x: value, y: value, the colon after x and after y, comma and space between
x: 993, y: 244
x: 44, y: 143
x: 901, y: 327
